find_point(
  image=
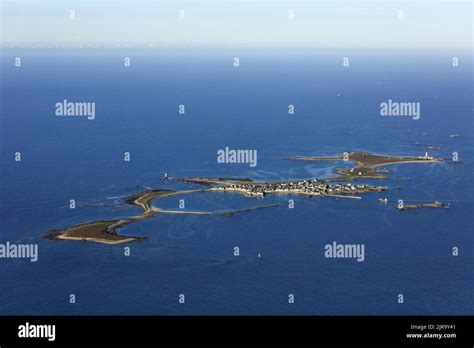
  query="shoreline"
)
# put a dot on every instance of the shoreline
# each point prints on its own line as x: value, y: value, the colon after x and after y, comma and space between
x: 105, y: 231
x: 95, y: 231
x: 365, y: 164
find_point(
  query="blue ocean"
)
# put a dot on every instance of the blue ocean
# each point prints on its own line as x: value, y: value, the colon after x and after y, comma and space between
x: 337, y: 109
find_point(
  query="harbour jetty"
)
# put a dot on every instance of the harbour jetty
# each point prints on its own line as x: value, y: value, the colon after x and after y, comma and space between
x: 435, y: 205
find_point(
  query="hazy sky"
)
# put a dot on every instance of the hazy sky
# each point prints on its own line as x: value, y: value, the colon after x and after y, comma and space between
x: 263, y: 23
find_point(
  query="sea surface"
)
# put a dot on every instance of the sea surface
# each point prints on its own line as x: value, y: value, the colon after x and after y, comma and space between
x: 336, y: 110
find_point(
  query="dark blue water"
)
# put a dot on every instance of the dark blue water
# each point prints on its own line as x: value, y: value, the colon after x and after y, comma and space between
x: 337, y: 110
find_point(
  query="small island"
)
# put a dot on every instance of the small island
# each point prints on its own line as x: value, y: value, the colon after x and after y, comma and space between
x: 105, y: 232
x: 97, y: 231
x: 313, y: 187
x: 366, y: 164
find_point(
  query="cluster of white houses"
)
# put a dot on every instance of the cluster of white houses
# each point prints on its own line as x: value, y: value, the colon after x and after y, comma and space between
x: 309, y: 187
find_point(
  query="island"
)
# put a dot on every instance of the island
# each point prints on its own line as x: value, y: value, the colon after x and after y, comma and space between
x: 366, y: 166
x: 311, y: 187
x: 96, y: 231
x: 105, y: 232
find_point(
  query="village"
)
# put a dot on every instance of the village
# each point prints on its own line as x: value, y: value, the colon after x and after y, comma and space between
x: 312, y: 187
